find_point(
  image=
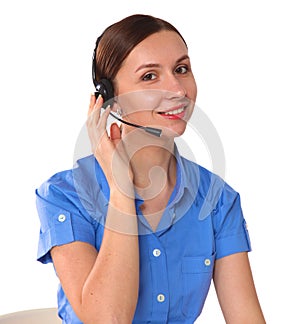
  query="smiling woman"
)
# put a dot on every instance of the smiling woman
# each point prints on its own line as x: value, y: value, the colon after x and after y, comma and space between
x: 123, y: 227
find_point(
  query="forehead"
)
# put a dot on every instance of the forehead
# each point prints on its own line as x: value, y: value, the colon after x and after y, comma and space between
x: 158, y: 46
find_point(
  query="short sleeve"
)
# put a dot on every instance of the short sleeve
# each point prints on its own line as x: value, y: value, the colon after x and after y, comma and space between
x: 231, y: 233
x: 62, y: 220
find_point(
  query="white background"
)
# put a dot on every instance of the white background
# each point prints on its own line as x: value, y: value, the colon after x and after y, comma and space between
x: 245, y: 57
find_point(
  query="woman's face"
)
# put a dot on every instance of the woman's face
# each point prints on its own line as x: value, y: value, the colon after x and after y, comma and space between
x: 155, y: 85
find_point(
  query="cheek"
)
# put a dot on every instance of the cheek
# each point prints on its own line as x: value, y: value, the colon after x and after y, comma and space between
x: 140, y: 101
x: 192, y: 90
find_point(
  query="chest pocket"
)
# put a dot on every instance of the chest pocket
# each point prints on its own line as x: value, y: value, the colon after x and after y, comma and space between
x: 197, y: 274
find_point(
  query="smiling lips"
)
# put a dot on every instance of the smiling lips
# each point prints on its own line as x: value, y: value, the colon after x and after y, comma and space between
x: 174, y: 114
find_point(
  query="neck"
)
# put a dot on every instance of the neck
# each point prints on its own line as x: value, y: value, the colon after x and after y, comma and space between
x: 153, y: 165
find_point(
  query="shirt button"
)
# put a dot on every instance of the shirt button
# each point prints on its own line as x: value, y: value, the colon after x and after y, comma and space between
x: 61, y: 218
x: 207, y: 262
x: 156, y: 252
x: 161, y: 298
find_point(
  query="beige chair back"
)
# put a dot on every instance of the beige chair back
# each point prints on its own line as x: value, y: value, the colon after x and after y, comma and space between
x: 33, y: 316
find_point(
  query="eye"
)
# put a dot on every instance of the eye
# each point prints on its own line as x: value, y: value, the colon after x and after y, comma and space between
x: 182, y: 69
x: 149, y: 76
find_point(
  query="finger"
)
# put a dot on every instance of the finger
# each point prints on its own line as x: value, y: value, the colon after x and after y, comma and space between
x: 102, y: 122
x: 96, y: 127
x: 99, y: 101
x: 93, y: 117
x: 94, y: 103
x: 96, y: 113
x: 115, y: 132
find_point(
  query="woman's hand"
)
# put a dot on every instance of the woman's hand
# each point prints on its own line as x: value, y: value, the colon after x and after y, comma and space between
x: 101, y: 279
x: 109, y: 150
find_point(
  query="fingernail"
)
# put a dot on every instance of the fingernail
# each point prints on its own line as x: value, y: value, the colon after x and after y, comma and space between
x: 98, y: 98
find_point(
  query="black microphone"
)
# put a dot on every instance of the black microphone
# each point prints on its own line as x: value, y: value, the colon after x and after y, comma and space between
x: 151, y: 130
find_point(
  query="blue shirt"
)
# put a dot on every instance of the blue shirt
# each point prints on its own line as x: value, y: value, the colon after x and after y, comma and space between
x: 203, y: 222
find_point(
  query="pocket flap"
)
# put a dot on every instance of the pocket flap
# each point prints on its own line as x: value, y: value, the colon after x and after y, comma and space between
x: 198, y: 264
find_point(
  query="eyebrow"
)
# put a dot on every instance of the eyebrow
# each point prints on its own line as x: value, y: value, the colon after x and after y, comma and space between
x: 155, y: 65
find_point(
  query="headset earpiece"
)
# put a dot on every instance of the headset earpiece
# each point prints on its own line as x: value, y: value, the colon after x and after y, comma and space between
x: 105, y: 88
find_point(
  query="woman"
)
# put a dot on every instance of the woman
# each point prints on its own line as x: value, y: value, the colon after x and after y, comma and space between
x: 137, y: 183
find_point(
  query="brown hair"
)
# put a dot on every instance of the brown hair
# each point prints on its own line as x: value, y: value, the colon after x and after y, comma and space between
x: 118, y: 40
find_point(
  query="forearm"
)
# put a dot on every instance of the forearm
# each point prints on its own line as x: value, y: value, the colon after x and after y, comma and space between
x: 111, y: 289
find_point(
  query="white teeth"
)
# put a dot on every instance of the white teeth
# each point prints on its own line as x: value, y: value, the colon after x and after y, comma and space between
x: 174, y: 112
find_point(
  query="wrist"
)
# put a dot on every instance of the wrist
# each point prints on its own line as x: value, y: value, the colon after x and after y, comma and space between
x: 124, y: 194
x: 121, y: 216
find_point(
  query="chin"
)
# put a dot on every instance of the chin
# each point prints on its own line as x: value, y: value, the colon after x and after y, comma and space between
x: 174, y: 131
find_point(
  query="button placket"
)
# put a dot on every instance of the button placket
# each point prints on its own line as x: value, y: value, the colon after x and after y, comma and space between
x: 159, y: 280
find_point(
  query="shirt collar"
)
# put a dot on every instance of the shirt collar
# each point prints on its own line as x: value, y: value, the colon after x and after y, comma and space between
x: 188, y: 177
x: 183, y: 195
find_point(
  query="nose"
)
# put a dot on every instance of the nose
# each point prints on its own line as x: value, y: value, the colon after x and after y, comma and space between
x: 174, y: 87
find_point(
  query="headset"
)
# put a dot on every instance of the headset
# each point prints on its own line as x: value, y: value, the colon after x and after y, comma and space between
x: 105, y: 88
